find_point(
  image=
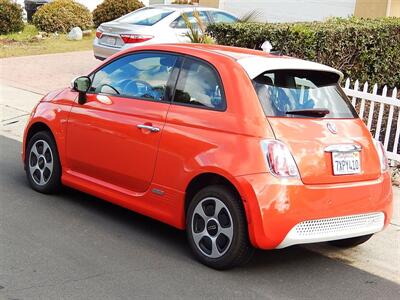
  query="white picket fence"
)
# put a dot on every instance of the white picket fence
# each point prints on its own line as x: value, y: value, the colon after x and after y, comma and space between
x: 379, y: 113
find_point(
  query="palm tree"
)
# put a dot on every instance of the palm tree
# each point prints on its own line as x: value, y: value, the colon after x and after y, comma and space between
x: 197, y: 31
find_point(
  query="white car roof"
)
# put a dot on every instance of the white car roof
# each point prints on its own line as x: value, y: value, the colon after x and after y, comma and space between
x: 255, y: 65
x: 184, y: 8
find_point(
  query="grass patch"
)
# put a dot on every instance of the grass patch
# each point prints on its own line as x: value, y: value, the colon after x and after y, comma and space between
x: 25, y: 43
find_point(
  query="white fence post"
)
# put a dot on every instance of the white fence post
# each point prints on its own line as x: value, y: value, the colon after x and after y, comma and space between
x: 379, y: 123
x: 390, y: 103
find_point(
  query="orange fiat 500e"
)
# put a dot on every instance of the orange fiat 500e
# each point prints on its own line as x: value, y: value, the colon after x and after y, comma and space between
x: 240, y: 148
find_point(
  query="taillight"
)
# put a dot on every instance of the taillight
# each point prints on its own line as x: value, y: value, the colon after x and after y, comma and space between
x: 135, y: 38
x: 99, y: 34
x: 279, y: 159
x: 382, y: 155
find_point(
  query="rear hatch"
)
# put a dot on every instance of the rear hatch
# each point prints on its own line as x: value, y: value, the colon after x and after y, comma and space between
x: 309, y: 112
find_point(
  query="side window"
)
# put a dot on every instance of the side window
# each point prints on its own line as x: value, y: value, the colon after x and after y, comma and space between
x: 221, y: 17
x: 179, y: 23
x: 143, y: 75
x: 199, y: 85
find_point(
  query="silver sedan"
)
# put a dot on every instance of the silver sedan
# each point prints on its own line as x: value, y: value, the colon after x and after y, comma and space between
x: 152, y: 25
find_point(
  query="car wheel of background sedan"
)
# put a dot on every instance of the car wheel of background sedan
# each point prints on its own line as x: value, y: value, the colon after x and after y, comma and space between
x: 216, y: 228
x: 351, y: 242
x: 43, y: 167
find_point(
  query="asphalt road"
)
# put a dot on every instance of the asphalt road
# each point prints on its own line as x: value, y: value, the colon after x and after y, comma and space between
x: 75, y: 246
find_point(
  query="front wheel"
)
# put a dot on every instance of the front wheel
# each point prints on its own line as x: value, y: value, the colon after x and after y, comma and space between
x: 43, y: 168
x: 351, y: 242
x: 216, y: 228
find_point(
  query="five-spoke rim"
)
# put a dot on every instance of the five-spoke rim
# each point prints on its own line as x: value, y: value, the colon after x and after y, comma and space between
x: 212, y: 227
x: 40, y: 162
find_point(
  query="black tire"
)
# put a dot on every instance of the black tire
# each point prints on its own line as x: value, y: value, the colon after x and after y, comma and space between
x: 53, y: 181
x: 351, y: 242
x: 239, y: 251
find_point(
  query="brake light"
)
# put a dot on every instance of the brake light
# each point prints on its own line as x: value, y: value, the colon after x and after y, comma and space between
x: 279, y: 159
x: 99, y: 34
x: 135, y: 38
x: 382, y: 155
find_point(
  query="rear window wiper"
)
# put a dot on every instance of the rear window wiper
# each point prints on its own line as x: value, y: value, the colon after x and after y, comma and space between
x: 310, y: 112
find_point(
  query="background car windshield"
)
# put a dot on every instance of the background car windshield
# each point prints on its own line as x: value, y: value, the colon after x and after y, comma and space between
x: 222, y: 17
x: 146, y: 16
x: 180, y: 22
x: 283, y: 91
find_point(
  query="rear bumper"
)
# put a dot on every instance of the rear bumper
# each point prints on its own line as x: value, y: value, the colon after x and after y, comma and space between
x: 286, y: 212
x: 102, y: 52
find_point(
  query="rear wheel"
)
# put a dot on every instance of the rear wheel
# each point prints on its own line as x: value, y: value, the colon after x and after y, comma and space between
x: 351, y: 242
x: 43, y: 168
x: 216, y: 228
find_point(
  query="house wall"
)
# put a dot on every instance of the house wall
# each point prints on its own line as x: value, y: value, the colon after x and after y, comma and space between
x: 395, y: 8
x: 370, y: 8
x: 377, y: 8
x: 209, y: 3
x: 288, y: 10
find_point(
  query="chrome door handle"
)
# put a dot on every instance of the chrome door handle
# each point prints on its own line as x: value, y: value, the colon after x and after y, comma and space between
x: 148, y: 127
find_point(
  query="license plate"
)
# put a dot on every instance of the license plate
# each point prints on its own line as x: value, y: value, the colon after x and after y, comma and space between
x: 109, y: 40
x: 345, y: 163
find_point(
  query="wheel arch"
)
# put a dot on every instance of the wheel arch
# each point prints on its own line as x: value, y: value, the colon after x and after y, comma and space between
x: 32, y: 130
x: 202, y: 180
x: 35, y: 128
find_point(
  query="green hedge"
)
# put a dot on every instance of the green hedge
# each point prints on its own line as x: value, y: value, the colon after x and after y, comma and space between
x: 62, y: 16
x: 110, y: 10
x: 10, y: 17
x: 364, y: 49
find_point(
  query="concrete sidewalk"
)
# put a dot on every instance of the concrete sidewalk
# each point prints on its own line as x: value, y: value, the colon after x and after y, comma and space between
x: 15, y: 107
x: 24, y: 80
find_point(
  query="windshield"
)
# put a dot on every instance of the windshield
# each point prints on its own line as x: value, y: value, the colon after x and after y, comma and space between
x: 299, y: 93
x: 147, y: 16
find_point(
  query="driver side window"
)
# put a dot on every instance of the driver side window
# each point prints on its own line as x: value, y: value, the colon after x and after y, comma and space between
x: 142, y: 75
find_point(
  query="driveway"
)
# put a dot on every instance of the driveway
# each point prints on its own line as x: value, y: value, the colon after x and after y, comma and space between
x: 43, y: 73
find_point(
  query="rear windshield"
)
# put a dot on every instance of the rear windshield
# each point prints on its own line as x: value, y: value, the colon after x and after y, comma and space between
x: 284, y: 91
x: 147, y: 16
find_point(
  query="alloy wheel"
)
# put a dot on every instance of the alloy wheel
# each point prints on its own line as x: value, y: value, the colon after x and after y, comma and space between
x: 212, y: 227
x: 41, y: 162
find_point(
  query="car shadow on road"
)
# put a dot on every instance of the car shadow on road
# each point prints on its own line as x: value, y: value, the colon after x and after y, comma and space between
x: 171, y: 238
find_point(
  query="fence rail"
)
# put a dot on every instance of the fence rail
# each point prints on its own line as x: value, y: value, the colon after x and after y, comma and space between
x: 381, y: 113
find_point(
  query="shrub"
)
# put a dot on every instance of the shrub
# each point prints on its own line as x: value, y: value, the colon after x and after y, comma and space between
x: 62, y: 16
x: 197, y: 32
x: 364, y: 49
x: 110, y: 10
x: 10, y: 17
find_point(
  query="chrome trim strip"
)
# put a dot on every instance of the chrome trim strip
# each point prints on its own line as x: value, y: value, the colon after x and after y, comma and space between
x: 343, y: 148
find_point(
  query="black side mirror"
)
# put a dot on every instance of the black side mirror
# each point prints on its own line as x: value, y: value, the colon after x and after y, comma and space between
x: 82, y: 85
